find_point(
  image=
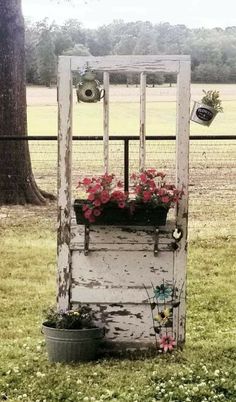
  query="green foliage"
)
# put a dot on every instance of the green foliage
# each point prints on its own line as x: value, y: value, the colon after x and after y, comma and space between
x: 80, y: 318
x: 212, y: 98
x: 46, y: 56
x: 213, y: 51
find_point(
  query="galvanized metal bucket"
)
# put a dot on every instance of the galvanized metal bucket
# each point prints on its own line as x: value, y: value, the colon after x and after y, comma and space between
x: 203, y: 114
x: 72, y: 345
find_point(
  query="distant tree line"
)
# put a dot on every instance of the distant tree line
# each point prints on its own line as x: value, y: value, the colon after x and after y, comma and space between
x: 213, y: 51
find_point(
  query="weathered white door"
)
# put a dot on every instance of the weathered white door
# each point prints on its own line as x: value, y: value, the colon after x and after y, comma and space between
x: 134, y: 278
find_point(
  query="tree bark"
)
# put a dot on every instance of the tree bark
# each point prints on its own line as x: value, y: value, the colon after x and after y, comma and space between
x: 17, y: 184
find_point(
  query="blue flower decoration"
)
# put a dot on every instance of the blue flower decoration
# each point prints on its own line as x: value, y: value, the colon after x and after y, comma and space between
x: 163, y: 292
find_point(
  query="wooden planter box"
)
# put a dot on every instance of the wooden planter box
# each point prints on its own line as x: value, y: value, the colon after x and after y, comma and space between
x: 143, y: 215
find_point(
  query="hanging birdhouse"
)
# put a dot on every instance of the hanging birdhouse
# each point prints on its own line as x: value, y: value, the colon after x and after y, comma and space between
x: 89, y: 89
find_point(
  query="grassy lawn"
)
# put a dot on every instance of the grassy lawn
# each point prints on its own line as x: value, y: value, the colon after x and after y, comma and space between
x: 204, y: 371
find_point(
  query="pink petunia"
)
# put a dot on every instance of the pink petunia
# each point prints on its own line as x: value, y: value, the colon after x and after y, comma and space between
x: 86, y: 181
x: 165, y: 199
x: 143, y: 178
x: 91, y: 197
x: 85, y: 207
x: 97, y: 202
x: 105, y: 197
x: 121, y: 204
x: 97, y: 212
x: 147, y: 195
x: 88, y: 213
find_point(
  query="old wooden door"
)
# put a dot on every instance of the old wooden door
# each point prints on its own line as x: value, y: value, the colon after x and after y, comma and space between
x: 134, y: 278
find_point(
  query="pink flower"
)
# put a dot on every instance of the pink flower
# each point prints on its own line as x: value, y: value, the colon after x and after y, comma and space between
x: 85, y: 207
x: 147, y: 195
x: 88, y: 213
x: 165, y: 199
x: 162, y: 192
x: 118, y: 195
x: 167, y: 342
x: 143, y: 177
x: 91, y: 219
x: 105, y: 197
x: 93, y: 189
x: 97, y: 203
x: 91, y: 197
x: 86, y: 181
x: 97, y: 212
x: 121, y: 204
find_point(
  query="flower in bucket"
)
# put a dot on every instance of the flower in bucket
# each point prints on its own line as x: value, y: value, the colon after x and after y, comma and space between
x: 80, y: 318
x: 167, y: 343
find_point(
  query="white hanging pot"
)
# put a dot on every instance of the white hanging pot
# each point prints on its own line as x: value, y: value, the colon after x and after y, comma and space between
x: 203, y: 114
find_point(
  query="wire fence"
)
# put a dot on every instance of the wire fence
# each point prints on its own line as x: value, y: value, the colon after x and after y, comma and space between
x: 212, y: 202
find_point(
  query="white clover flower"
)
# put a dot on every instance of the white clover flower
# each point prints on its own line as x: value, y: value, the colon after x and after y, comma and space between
x: 78, y: 381
x: 216, y: 373
x: 86, y: 398
x: 223, y: 379
x: 39, y: 374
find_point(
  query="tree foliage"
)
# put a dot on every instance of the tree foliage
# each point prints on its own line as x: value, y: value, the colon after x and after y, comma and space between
x: 213, y: 51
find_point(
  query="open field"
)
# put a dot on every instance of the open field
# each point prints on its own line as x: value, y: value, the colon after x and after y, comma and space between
x: 204, y: 371
x: 124, y: 112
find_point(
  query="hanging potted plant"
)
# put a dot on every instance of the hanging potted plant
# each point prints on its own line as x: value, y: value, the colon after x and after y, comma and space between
x: 108, y: 204
x: 205, y: 111
x: 71, y: 336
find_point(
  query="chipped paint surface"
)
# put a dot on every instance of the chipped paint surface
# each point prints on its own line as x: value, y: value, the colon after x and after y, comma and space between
x: 64, y: 181
x: 117, y: 278
x: 134, y: 63
x: 142, y: 129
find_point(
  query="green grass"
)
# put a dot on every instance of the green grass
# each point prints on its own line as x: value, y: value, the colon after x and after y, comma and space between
x: 203, y: 371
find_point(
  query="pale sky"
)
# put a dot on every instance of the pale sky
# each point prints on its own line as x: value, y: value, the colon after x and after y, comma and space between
x: 94, y: 13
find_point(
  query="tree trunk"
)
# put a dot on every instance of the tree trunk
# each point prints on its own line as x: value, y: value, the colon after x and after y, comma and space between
x: 17, y: 184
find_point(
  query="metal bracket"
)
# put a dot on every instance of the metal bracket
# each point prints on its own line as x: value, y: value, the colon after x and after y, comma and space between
x: 177, y: 234
x: 86, y: 239
x: 156, y: 241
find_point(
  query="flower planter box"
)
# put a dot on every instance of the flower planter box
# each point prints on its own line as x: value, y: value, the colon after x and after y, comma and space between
x: 72, y: 345
x: 203, y: 114
x: 143, y: 215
